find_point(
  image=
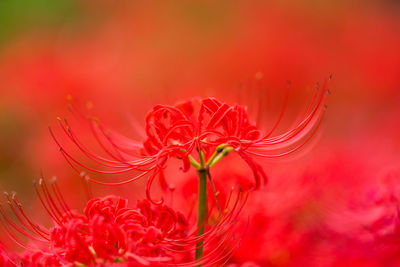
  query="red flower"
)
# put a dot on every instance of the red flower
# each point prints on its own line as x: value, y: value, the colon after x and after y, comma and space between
x: 109, y: 232
x: 205, y: 125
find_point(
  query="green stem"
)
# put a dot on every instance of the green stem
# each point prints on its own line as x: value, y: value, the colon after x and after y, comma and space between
x: 202, y: 171
x: 202, y: 210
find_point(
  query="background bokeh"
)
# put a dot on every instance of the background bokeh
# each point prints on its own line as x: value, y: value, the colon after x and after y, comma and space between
x: 121, y: 57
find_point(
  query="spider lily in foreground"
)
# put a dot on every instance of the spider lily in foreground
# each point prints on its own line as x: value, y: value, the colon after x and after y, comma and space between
x: 111, y: 232
x: 207, y: 129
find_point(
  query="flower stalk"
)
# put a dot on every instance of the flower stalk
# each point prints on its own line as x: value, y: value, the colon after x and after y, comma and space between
x: 202, y: 209
x: 203, y: 171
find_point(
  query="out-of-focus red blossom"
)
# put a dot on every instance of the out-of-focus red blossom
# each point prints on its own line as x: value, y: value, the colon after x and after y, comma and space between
x: 339, y: 209
x: 369, y: 225
x: 342, y: 210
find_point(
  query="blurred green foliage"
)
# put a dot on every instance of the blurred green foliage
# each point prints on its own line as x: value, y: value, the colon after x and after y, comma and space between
x: 17, y: 16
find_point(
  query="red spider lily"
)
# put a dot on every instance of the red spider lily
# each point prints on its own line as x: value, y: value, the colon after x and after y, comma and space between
x: 109, y: 232
x: 193, y: 126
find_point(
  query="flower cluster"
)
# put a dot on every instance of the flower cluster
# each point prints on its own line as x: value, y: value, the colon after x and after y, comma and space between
x: 109, y: 231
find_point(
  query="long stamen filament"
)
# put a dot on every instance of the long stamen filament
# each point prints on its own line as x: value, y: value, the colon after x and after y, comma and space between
x: 214, y: 190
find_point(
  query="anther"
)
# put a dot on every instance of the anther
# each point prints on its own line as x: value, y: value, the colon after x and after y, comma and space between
x: 53, y: 180
x: 91, y: 249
